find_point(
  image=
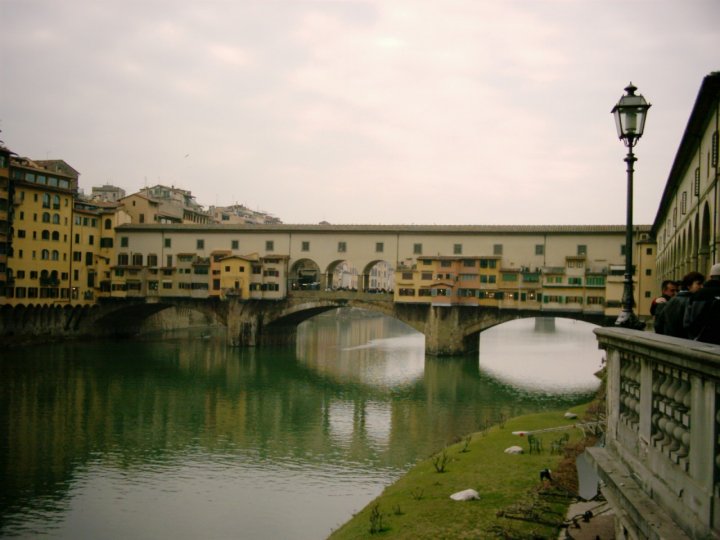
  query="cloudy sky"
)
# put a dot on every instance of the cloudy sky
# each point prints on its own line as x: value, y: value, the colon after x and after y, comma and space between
x: 374, y: 112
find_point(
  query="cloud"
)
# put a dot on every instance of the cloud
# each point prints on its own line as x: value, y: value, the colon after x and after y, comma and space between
x: 408, y: 111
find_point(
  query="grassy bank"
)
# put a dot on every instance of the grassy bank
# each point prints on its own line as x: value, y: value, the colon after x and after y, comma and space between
x: 514, y: 502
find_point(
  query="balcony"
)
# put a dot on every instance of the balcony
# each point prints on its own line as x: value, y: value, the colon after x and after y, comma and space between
x: 660, y: 467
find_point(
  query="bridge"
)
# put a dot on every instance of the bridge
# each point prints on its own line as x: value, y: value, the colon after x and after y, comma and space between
x: 448, y: 330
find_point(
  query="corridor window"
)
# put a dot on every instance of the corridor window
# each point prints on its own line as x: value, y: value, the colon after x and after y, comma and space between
x: 200, y: 244
x: 582, y: 249
x: 342, y: 247
x: 539, y: 249
x: 497, y: 249
x: 269, y: 245
x: 457, y: 249
x: 305, y: 246
x: 417, y: 249
x: 235, y: 244
x: 379, y: 247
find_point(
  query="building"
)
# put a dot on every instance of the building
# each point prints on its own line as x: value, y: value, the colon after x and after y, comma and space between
x: 107, y: 193
x: 39, y: 263
x: 238, y: 214
x: 686, y: 225
x: 6, y: 210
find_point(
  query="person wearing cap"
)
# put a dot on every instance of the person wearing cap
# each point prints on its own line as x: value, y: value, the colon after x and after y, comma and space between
x: 702, y: 317
x: 669, y: 288
x: 670, y: 319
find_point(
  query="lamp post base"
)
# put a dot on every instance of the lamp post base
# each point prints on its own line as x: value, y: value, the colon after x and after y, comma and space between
x: 627, y: 319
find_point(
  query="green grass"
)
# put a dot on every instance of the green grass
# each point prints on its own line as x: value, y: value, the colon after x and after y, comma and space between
x: 418, y: 505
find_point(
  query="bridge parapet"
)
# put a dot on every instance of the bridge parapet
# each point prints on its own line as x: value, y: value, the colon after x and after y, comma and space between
x: 660, y: 464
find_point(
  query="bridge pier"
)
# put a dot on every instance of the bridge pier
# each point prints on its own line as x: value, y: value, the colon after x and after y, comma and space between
x: 444, y: 333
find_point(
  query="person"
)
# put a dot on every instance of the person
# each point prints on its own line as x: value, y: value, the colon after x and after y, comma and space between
x: 702, y: 318
x: 668, y: 288
x: 670, y: 320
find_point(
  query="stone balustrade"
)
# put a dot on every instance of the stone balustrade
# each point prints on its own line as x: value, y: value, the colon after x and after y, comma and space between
x: 660, y: 465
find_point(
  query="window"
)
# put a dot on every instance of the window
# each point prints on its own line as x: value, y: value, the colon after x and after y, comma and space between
x: 56, y: 202
x: 235, y: 244
x: 426, y: 276
x: 168, y: 261
x: 123, y: 259
x: 305, y: 246
x: 457, y: 249
x: 46, y: 217
x: 539, y: 249
x: 342, y: 247
x: 683, y: 202
x: 648, y: 251
x: 152, y: 260
x: 200, y: 244
x: 168, y: 242
x: 469, y: 263
x: 574, y: 281
x: 269, y: 245
x: 715, y: 149
x: 622, y: 250
x: 124, y: 241
x: 77, y: 256
x: 45, y: 235
x: 379, y: 247
x: 582, y: 249
x: 91, y: 240
x: 417, y: 249
x: 108, y: 224
x: 648, y: 271
x: 106, y: 242
x: 497, y: 249
x: 142, y: 218
x: 46, y: 200
x: 88, y: 258
x: 44, y: 254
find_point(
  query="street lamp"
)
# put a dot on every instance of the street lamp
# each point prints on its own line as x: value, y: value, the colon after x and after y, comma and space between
x: 630, y: 113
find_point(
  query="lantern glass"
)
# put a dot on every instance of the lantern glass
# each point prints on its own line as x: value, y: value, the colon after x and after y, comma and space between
x: 630, y: 114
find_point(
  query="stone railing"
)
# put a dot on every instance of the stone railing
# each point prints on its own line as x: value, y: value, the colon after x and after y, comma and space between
x: 660, y: 465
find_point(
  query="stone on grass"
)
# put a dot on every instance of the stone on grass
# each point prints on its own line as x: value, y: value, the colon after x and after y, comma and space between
x: 570, y: 415
x: 514, y: 450
x: 466, y: 495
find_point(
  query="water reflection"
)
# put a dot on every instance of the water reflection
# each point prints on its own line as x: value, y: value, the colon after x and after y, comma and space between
x: 546, y: 355
x: 185, y: 438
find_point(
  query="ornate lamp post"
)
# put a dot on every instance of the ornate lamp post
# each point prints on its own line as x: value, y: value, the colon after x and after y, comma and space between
x: 630, y: 113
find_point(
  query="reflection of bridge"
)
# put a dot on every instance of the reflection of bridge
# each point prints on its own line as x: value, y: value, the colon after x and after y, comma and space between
x: 448, y: 330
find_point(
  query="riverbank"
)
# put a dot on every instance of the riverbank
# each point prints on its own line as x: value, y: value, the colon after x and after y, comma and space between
x: 513, y: 501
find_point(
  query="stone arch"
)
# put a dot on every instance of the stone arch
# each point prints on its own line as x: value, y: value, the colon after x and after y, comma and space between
x: 341, y: 275
x: 303, y: 274
x: 376, y: 276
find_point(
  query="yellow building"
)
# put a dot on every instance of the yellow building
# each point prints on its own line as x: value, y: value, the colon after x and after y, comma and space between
x: 40, y: 260
x: 5, y: 219
x: 235, y: 275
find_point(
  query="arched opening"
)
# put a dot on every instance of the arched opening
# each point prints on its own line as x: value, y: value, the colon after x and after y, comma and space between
x: 378, y: 276
x: 704, y: 248
x: 304, y: 275
x: 341, y: 276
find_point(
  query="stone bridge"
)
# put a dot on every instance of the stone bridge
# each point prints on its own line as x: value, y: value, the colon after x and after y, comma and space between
x: 448, y: 330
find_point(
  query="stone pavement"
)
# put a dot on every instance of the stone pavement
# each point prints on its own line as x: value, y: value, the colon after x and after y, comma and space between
x: 601, y: 526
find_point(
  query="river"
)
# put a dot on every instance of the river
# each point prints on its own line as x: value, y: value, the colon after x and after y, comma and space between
x: 178, y: 436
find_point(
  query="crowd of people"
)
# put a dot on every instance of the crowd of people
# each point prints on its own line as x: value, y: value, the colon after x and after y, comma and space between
x: 690, y: 308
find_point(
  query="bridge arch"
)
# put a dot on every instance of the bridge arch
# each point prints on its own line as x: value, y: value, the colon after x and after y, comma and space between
x: 303, y: 274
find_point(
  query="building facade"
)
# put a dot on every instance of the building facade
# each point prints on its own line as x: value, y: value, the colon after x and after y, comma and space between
x: 687, y: 223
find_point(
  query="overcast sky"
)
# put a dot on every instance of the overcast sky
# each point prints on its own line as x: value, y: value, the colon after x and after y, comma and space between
x: 370, y: 112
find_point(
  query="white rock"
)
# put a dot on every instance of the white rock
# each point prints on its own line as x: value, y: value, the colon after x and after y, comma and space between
x: 466, y: 495
x: 570, y: 415
x: 514, y: 450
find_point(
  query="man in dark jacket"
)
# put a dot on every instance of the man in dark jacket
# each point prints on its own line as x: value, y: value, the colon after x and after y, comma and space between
x: 702, y: 319
x: 670, y: 319
x: 669, y: 288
